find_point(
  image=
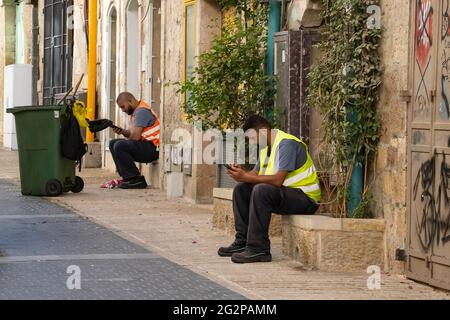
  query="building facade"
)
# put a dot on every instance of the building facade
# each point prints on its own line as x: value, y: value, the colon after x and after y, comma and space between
x: 144, y: 46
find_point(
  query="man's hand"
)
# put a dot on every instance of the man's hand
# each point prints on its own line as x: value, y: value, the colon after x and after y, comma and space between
x: 125, y: 133
x: 117, y: 130
x: 238, y: 174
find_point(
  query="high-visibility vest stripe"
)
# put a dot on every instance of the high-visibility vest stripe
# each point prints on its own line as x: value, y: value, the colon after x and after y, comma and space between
x: 299, y: 177
x: 152, y: 131
x: 312, y: 188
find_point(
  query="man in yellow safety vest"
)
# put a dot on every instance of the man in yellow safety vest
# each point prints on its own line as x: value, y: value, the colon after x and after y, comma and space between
x: 284, y: 181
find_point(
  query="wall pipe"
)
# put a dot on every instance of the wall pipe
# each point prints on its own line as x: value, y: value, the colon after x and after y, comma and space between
x: 274, y: 26
x: 92, y: 66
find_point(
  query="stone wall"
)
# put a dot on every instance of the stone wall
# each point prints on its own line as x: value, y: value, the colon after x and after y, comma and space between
x: 390, y: 178
x: 223, y: 217
x: 335, y: 245
x: 199, y: 186
x: 7, y: 48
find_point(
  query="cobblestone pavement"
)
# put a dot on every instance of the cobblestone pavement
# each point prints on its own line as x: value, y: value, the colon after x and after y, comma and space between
x: 182, y: 233
x: 39, y: 241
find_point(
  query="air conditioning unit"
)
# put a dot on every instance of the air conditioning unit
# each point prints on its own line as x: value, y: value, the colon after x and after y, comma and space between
x: 18, y: 92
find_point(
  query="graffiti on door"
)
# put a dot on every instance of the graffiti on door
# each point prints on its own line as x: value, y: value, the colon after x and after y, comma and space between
x: 433, y: 222
x: 424, y: 43
x: 444, y: 106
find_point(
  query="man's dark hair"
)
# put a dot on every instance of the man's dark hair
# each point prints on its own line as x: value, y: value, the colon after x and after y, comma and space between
x: 256, y: 122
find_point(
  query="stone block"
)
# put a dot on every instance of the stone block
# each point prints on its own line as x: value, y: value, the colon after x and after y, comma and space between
x: 93, y: 158
x: 174, y: 185
x: 337, y: 245
x: 223, y: 217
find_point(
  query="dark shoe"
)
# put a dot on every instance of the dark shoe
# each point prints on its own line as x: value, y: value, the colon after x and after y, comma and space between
x: 135, y: 183
x: 249, y: 256
x: 234, y: 248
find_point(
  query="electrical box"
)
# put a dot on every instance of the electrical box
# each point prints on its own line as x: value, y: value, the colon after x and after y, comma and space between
x: 294, y: 52
x: 18, y: 92
x: 187, y: 161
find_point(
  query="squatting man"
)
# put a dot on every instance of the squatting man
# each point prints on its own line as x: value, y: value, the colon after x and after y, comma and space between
x: 284, y: 181
x: 141, y: 143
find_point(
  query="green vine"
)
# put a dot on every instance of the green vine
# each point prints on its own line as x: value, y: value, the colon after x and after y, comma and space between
x: 230, y: 83
x: 344, y: 87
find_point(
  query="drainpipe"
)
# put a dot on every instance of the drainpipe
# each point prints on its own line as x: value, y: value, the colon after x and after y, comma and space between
x: 357, y: 179
x: 274, y: 26
x: 92, y: 66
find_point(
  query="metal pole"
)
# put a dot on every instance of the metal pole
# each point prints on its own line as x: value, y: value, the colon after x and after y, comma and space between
x: 92, y: 66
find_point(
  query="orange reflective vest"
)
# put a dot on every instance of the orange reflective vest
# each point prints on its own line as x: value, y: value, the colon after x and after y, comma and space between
x: 151, y: 133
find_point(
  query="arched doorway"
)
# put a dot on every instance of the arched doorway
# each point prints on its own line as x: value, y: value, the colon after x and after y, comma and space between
x: 133, y: 48
x: 111, y: 74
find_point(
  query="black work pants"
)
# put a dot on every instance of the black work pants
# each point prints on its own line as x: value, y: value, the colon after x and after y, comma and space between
x: 253, y: 206
x: 126, y: 152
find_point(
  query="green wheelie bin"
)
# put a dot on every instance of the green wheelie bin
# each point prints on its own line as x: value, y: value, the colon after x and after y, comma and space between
x: 43, y: 169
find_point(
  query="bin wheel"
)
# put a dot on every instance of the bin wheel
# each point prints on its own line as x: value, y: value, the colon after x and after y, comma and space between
x: 79, y: 185
x: 54, y: 188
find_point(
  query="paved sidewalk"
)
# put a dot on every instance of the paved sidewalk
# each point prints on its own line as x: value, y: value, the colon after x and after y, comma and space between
x: 42, y: 244
x: 182, y: 232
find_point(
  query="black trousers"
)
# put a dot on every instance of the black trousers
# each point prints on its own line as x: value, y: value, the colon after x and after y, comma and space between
x: 253, y: 206
x: 126, y: 152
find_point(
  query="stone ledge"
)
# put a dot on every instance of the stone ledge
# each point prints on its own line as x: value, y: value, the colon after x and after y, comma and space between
x: 317, y: 223
x: 330, y: 244
x: 318, y: 242
x: 223, y: 193
x: 223, y: 217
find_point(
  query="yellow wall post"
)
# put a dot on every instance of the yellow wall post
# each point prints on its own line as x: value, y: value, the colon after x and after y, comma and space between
x: 92, y: 66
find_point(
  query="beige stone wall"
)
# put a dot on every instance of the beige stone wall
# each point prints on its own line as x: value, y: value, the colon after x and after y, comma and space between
x: 223, y: 216
x: 197, y: 187
x: 391, y: 179
x: 335, y: 245
x: 389, y: 182
x: 80, y: 53
x: 7, y: 48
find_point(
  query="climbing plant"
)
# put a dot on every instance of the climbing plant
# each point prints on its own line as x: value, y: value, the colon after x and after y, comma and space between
x: 344, y: 87
x: 230, y: 83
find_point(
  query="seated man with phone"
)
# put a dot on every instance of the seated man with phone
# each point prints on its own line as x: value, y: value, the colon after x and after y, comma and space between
x: 141, y: 143
x: 284, y: 181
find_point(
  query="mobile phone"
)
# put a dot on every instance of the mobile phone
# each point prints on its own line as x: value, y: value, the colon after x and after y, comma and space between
x: 114, y: 127
x: 228, y: 167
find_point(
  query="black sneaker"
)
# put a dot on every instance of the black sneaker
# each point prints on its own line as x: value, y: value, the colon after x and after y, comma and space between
x: 234, y: 248
x: 135, y: 183
x: 249, y: 256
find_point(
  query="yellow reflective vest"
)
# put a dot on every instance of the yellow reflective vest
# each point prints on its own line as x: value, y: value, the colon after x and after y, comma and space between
x: 304, y: 178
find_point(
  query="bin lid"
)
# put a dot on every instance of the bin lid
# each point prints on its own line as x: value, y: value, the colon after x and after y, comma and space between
x: 16, y: 110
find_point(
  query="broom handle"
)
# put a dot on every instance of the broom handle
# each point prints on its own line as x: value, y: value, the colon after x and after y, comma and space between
x: 78, y: 85
x: 65, y: 97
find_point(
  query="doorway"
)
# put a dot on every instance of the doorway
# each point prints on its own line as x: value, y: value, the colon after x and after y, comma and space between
x: 111, y: 78
x: 428, y: 242
x: 133, y: 49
